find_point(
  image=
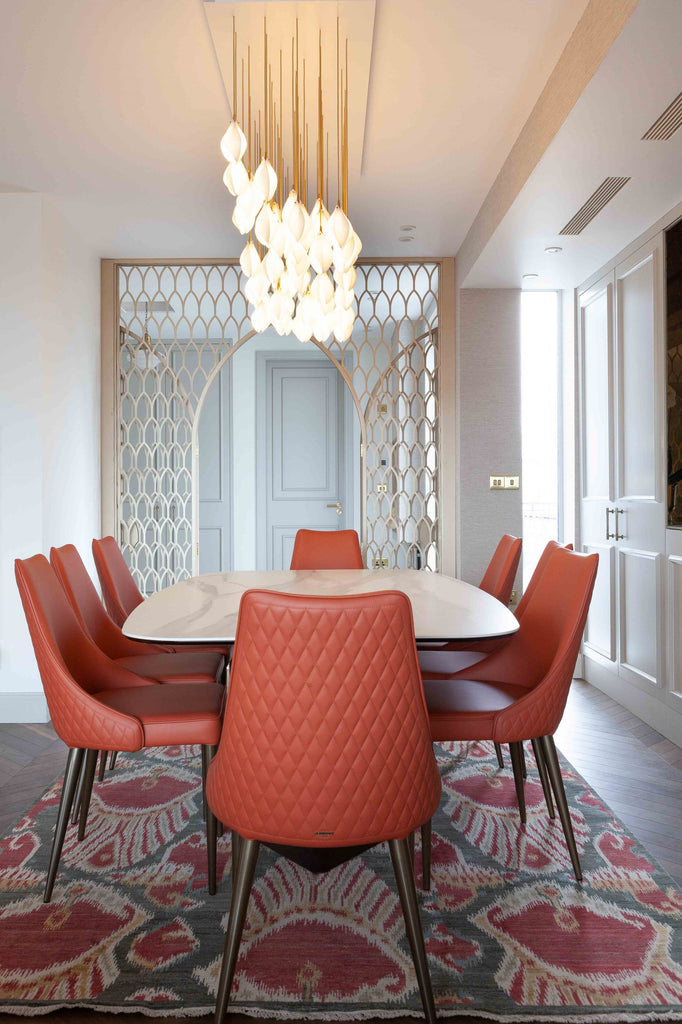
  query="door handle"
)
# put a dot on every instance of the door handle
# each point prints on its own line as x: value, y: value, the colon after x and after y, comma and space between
x: 609, y: 535
x: 617, y: 535
x: 338, y: 506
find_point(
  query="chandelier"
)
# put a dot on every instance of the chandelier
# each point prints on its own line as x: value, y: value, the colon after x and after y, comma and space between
x: 300, y: 262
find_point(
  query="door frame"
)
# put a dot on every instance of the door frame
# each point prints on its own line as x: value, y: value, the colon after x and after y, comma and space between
x: 346, y: 409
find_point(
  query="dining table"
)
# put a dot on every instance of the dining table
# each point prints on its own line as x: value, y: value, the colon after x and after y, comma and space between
x: 204, y: 609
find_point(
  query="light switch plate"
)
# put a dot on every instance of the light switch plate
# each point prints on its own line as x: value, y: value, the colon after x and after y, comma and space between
x: 511, y: 483
x: 497, y: 483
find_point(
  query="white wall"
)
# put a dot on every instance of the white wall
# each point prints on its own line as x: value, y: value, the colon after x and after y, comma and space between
x: 49, y: 419
x: 489, y: 401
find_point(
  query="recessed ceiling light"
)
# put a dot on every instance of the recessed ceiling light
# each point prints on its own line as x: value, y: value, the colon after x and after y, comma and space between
x: 408, y: 227
x: 553, y: 248
x: 530, y: 277
x: 406, y: 238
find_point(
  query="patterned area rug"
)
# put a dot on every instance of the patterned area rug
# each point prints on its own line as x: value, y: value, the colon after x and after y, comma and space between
x: 509, y: 934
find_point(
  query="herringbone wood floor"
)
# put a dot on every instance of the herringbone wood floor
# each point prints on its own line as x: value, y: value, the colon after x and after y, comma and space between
x: 632, y: 767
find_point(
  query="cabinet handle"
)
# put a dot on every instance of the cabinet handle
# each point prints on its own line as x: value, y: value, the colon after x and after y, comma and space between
x: 338, y: 506
x: 609, y: 535
x: 617, y: 535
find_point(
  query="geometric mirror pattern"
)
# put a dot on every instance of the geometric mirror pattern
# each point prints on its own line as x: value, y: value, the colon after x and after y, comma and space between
x: 179, y: 323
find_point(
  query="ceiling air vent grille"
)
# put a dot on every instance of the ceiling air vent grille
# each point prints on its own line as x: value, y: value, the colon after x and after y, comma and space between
x: 668, y: 123
x: 594, y: 205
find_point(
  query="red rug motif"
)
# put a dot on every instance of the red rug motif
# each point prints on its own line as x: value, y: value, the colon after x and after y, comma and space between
x: 509, y: 934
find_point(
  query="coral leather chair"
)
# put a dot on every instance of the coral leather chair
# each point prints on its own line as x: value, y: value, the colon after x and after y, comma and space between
x: 326, y: 549
x: 519, y: 693
x: 326, y: 747
x: 121, y: 594
x: 97, y: 704
x: 149, y: 660
x: 119, y: 590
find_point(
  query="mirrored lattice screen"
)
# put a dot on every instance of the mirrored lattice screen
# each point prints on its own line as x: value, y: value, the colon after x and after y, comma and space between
x: 179, y: 323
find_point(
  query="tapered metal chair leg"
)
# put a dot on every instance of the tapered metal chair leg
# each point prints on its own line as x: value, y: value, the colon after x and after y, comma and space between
x: 400, y: 856
x: 204, y: 773
x: 410, y: 843
x: 516, y: 751
x: 426, y: 854
x: 88, y: 779
x: 524, y: 770
x: 235, y: 924
x: 236, y: 849
x: 500, y: 758
x: 544, y: 777
x: 211, y: 829
x: 73, y: 767
x: 102, y: 765
x: 79, y: 793
x: 112, y: 760
x: 552, y: 762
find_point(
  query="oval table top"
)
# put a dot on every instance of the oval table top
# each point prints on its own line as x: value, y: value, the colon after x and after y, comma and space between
x: 204, y: 608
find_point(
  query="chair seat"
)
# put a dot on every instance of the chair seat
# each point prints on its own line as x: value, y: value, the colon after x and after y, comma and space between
x: 440, y: 662
x: 465, y: 709
x: 183, y: 667
x: 185, y: 713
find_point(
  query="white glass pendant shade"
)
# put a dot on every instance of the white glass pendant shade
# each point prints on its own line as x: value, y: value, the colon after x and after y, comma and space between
x: 322, y: 328
x: 298, y: 259
x: 266, y: 222
x: 288, y: 282
x: 338, y: 228
x: 265, y: 179
x: 322, y: 290
x: 319, y: 215
x: 260, y: 318
x: 346, y: 279
x: 297, y: 220
x: 256, y: 288
x: 236, y: 178
x: 308, y: 309
x: 343, y: 324
x: 273, y: 265
x: 241, y: 220
x: 357, y: 247
x: 233, y: 143
x: 343, y: 299
x: 321, y: 254
x: 289, y: 204
x: 249, y: 204
x: 278, y: 238
x: 249, y: 260
x: 301, y: 328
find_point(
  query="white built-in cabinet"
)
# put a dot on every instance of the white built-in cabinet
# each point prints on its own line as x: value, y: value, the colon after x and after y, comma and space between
x: 622, y: 487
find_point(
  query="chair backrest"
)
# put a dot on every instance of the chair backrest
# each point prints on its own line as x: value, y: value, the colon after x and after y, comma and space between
x: 326, y: 549
x: 544, y: 558
x: 542, y: 655
x: 326, y: 739
x: 501, y: 572
x: 72, y: 667
x: 90, y: 611
x: 119, y: 590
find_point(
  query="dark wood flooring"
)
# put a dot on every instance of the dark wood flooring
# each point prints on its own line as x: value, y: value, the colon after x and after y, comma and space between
x: 635, y: 770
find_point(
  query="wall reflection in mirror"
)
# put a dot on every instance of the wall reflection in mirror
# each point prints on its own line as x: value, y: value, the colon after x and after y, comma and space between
x: 230, y: 441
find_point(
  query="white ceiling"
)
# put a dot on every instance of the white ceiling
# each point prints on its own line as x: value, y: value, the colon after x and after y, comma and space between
x: 115, y: 109
x: 601, y: 137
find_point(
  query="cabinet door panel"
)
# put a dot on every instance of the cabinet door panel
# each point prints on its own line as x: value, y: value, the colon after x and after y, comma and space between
x: 599, y: 631
x: 637, y: 363
x: 640, y: 602
x: 597, y: 394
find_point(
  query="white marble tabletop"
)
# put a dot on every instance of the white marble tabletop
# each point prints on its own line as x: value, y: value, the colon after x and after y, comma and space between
x: 205, y: 608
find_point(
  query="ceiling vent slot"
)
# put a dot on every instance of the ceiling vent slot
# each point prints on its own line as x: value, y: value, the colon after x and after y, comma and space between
x: 668, y: 123
x: 594, y: 205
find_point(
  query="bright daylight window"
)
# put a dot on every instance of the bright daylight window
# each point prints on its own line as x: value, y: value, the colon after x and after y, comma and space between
x: 539, y: 424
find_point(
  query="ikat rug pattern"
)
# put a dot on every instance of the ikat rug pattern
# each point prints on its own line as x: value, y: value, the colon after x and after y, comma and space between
x: 509, y: 934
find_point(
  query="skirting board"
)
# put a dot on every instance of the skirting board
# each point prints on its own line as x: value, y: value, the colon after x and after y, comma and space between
x: 654, y: 712
x: 23, y: 707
